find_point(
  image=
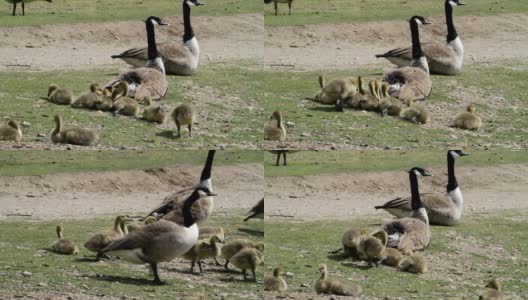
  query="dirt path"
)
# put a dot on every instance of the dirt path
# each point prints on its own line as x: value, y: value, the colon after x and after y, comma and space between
x: 348, y: 195
x: 221, y: 39
x: 346, y: 45
x: 84, y: 195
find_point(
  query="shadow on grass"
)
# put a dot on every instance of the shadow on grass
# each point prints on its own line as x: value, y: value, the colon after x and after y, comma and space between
x: 323, y: 108
x: 336, y: 257
x: 121, y: 279
x: 169, y: 134
x: 252, y: 232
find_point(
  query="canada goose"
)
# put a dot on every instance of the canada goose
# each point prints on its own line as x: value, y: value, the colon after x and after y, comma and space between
x: 416, y: 112
x: 233, y: 247
x: 122, y: 104
x: 468, y: 119
x: 182, y: 115
x: 59, y: 95
x: 370, y: 101
x: 275, y: 282
x: 202, y: 250
x: 280, y: 1
x: 154, y: 113
x: 150, y: 79
x: 337, y: 89
x: 171, y: 207
x: 372, y: 248
x: 14, y: 2
x: 412, y: 81
x: 393, y: 257
x: 179, y: 59
x: 492, y: 291
x: 160, y: 241
x: 62, y: 245
x: 104, y: 102
x: 256, y: 211
x: 10, y: 131
x: 148, y: 220
x: 323, y: 285
x: 74, y: 136
x: 411, y: 233
x: 442, y: 209
x: 248, y: 258
x: 103, y: 238
x: 90, y: 99
x: 350, y: 242
x: 445, y: 59
x: 274, y: 130
x: 389, y: 105
x: 415, y: 263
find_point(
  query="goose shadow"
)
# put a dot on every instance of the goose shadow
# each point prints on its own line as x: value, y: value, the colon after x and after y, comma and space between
x: 122, y: 279
x: 336, y: 257
x: 252, y: 232
x: 168, y: 134
x: 323, y: 108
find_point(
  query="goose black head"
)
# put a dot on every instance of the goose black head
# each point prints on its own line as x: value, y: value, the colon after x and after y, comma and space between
x: 420, y: 172
x: 156, y: 21
x: 457, y: 153
x: 419, y: 20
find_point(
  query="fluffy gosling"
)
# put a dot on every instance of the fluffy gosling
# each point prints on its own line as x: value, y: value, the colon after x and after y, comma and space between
x: 233, y: 247
x: 416, y: 113
x: 182, y: 115
x: 59, y: 95
x: 468, y: 119
x: 10, y: 131
x: 62, y: 245
x: 275, y: 282
x: 274, y: 130
x: 492, y: 291
x: 415, y: 263
x: 154, y: 113
x: 323, y: 285
x: 103, y: 238
x: 201, y: 250
x: 248, y: 258
x: 123, y: 104
x: 372, y: 248
x: 389, y: 105
x: 74, y: 136
x: 90, y: 99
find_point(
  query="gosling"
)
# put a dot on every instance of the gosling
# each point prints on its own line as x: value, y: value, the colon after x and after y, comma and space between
x: 370, y: 101
x: 62, y: 245
x: 182, y: 115
x: 123, y: 104
x: 248, y: 258
x: 275, y: 282
x: 372, y: 248
x: 74, y: 136
x: 90, y: 99
x: 416, y: 113
x: 492, y: 291
x: 202, y: 250
x: 275, y: 130
x: 59, y: 95
x: 393, y: 257
x: 323, y: 285
x: 350, y: 242
x: 148, y: 220
x: 415, y: 263
x: 10, y: 131
x: 389, y: 105
x: 104, y: 237
x: 336, y: 90
x: 468, y: 119
x: 232, y: 248
x: 154, y: 113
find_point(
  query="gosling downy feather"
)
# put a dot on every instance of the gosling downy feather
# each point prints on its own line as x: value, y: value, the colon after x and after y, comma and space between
x: 62, y: 245
x: 337, y: 89
x: 370, y: 101
x: 492, y: 291
x: 171, y: 207
x: 256, y: 211
x: 393, y: 257
x: 389, y: 105
x: 415, y: 263
x: 59, y: 95
x: 416, y: 112
x: 442, y: 209
x: 183, y: 115
x: 203, y: 249
x: 323, y: 285
x: 350, y: 241
x: 468, y: 119
x: 90, y: 99
x: 412, y: 82
x: 103, y: 238
x: 178, y: 59
x: 154, y: 113
x: 10, y: 131
x: 248, y: 258
x: 208, y: 232
x: 275, y: 130
x: 149, y: 80
x: 411, y: 233
x: 275, y: 282
x: 124, y: 105
x: 74, y: 136
x: 445, y: 59
x: 372, y: 247
x: 233, y: 247
x: 160, y: 241
x: 148, y: 220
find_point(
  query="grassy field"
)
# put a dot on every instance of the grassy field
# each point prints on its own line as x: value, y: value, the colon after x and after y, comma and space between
x: 23, y: 249
x: 315, y: 11
x: 306, y: 163
x: 40, y: 162
x: 77, y: 11
x: 497, y: 89
x: 461, y: 259
x: 227, y: 112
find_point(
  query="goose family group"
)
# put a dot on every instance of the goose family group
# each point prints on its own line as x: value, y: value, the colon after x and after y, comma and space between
x: 401, y: 242
x: 174, y: 229
x: 145, y: 84
x: 401, y: 92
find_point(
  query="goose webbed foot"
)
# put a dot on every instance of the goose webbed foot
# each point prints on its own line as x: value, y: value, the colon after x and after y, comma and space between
x: 157, y: 280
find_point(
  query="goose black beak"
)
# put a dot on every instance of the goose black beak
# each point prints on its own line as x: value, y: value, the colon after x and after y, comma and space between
x: 462, y: 153
x: 163, y: 24
x: 199, y: 3
x: 426, y: 174
x: 427, y: 22
x: 460, y: 3
x: 212, y: 194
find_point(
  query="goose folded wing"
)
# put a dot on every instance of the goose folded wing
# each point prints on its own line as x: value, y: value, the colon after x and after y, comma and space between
x: 142, y: 237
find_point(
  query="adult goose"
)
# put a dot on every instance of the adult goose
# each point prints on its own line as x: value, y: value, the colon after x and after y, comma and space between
x: 149, y: 80
x: 445, y: 59
x: 411, y: 233
x: 171, y: 207
x: 411, y: 82
x: 179, y: 59
x: 160, y: 241
x: 257, y: 211
x: 442, y: 209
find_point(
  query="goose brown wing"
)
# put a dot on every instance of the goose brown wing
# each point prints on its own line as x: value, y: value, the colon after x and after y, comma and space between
x: 143, y: 236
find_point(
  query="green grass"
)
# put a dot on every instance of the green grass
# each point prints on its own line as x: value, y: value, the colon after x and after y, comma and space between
x: 315, y: 11
x: 300, y: 247
x: 485, y: 84
x: 227, y: 114
x: 78, y: 11
x: 22, y: 247
x: 40, y: 162
x: 306, y: 163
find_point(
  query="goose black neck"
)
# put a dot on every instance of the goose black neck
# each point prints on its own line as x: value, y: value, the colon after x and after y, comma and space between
x: 188, y: 219
x: 451, y: 31
x: 151, y: 40
x: 451, y: 179
x: 206, y: 172
x: 188, y: 31
x: 415, y: 194
x: 415, y: 35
